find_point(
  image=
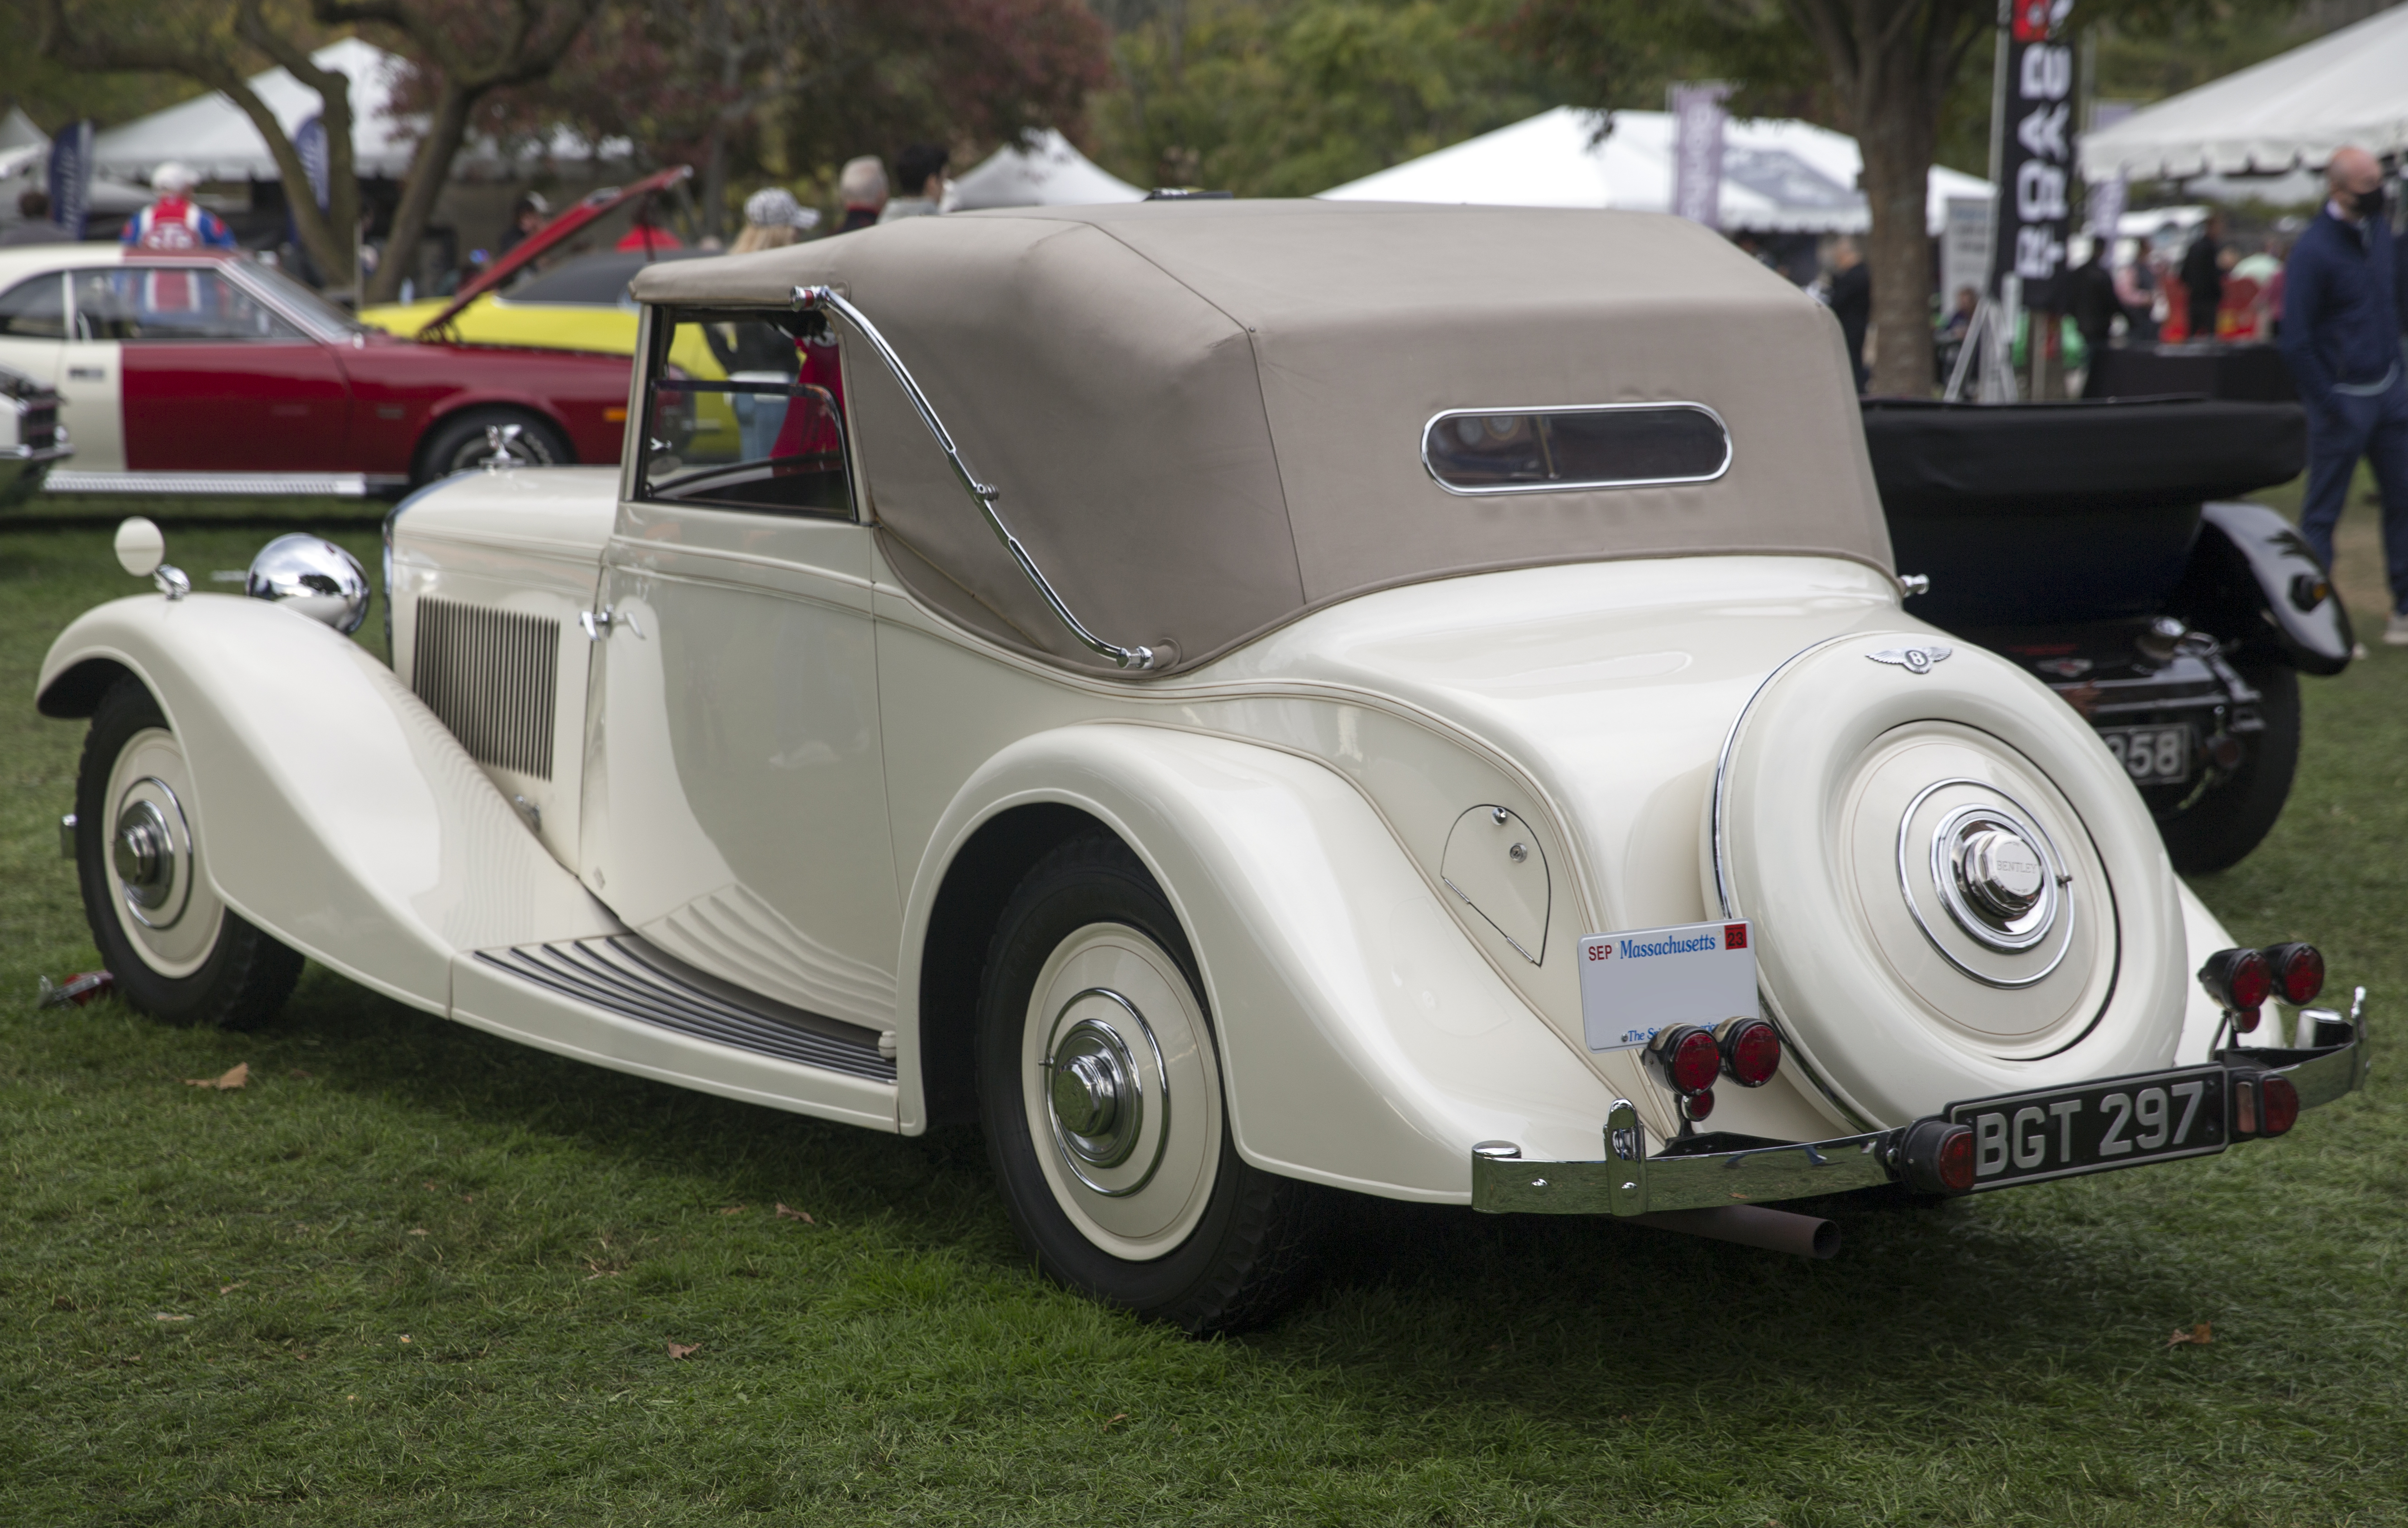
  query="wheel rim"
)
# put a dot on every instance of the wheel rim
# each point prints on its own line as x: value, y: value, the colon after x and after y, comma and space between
x: 161, y: 898
x: 1121, y: 1091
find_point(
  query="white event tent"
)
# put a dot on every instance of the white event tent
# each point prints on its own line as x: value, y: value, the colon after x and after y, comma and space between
x: 211, y: 134
x: 1045, y: 172
x: 1779, y: 175
x: 2350, y: 87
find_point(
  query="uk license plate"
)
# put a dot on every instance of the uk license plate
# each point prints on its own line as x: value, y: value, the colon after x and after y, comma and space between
x: 2094, y: 1127
x: 2152, y: 755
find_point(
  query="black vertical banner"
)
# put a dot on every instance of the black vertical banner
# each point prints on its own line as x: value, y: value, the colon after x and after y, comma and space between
x: 2036, y: 162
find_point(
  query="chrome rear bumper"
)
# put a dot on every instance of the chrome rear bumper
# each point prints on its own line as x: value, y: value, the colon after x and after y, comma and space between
x: 1629, y: 1182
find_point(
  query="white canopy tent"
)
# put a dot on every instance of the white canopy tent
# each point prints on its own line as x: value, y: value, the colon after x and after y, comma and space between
x: 211, y: 134
x: 1779, y: 175
x: 2350, y: 87
x: 1045, y: 172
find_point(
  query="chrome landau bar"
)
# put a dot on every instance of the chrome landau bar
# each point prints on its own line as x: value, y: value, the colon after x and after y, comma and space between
x: 1629, y: 1182
x: 812, y: 299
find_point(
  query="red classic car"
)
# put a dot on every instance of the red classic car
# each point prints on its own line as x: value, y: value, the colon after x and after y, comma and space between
x: 214, y: 373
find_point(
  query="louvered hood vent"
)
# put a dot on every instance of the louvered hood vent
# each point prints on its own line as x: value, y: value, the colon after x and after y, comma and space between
x: 491, y: 676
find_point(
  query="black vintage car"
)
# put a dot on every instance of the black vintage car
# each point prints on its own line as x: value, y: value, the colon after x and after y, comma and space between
x: 2096, y: 544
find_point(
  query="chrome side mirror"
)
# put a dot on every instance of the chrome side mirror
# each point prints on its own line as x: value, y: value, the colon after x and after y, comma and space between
x: 315, y: 577
x: 142, y: 550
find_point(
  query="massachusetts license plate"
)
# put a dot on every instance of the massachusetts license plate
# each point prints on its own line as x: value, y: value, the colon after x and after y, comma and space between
x: 2152, y: 755
x: 2094, y: 1127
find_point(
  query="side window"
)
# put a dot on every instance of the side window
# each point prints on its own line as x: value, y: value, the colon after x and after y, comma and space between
x: 35, y: 309
x: 744, y: 410
x: 142, y: 302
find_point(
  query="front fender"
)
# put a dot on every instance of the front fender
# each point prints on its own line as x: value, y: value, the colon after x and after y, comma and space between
x: 1364, y: 1043
x: 2252, y: 576
x: 332, y: 809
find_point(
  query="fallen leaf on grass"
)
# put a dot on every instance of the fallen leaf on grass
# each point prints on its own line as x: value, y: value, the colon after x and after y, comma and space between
x: 684, y: 1349
x: 229, y: 1288
x: 240, y: 1076
x: 162, y: 1315
x: 428, y: 1186
x: 60, y: 1302
x: 2202, y: 1334
x: 733, y: 1209
x: 1117, y: 1417
x: 785, y: 1214
x: 417, y: 1230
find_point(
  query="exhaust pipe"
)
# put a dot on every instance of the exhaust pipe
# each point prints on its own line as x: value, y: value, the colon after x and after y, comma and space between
x: 1751, y: 1225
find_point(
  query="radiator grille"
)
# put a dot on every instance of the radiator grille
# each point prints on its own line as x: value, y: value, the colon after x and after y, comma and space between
x: 491, y: 676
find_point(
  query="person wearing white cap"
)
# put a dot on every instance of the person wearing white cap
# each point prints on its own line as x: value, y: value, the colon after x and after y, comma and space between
x: 773, y: 219
x: 175, y: 221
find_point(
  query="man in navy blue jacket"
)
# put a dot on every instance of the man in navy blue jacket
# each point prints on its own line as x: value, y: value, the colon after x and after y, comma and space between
x: 2344, y: 292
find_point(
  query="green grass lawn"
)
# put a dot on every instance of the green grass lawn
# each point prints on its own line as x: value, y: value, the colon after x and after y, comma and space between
x: 414, y: 1275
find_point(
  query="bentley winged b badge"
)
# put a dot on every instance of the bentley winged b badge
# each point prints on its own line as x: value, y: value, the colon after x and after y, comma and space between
x: 1914, y: 661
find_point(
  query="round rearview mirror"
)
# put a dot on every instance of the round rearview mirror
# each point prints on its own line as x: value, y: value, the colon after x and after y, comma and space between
x: 140, y: 546
x: 313, y: 576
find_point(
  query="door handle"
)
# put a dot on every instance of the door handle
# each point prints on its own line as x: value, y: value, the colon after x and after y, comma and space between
x: 87, y: 373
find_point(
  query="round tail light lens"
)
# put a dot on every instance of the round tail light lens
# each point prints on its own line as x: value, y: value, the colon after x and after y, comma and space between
x: 2278, y: 1105
x: 1937, y: 1158
x: 2239, y: 980
x: 1689, y: 1058
x: 1696, y: 1106
x: 2299, y: 972
x: 1751, y: 1050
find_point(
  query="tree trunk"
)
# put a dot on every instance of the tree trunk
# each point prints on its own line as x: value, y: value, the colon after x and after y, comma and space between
x: 1897, y: 141
x: 447, y: 127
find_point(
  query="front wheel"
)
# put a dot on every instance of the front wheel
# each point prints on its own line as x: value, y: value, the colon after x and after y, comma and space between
x: 2216, y: 826
x: 1100, y: 1090
x: 177, y: 951
x: 491, y: 438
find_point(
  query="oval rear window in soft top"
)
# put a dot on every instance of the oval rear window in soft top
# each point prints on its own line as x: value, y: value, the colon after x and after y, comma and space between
x: 1606, y: 445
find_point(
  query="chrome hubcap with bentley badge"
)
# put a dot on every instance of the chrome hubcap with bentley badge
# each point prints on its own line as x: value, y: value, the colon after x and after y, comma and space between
x: 150, y: 849
x: 1994, y: 871
x: 1098, y: 1095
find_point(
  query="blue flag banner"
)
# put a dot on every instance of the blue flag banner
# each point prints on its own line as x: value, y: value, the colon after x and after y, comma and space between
x: 70, y: 177
x: 309, y: 142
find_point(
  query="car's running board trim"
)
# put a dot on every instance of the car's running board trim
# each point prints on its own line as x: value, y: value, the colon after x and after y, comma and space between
x: 626, y: 976
x: 331, y: 485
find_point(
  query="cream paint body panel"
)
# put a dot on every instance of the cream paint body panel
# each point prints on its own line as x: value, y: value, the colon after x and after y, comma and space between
x: 737, y: 805
x: 2205, y: 934
x: 337, y: 813
x: 528, y: 542
x: 92, y: 402
x: 1367, y: 1044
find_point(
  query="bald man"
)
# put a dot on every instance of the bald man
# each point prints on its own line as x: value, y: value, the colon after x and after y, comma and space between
x: 2345, y: 294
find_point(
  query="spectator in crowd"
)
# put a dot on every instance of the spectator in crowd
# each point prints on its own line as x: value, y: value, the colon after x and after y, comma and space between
x: 38, y: 226
x: 773, y: 219
x: 175, y: 221
x: 2202, y: 277
x: 2091, y: 302
x: 2136, y: 288
x: 1851, y: 298
x: 2344, y: 292
x: 920, y: 170
x: 646, y: 232
x: 862, y: 187
x: 1959, y: 320
x: 529, y: 213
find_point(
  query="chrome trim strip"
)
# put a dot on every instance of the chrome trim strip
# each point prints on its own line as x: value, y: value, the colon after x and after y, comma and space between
x: 331, y: 484
x: 823, y: 299
x: 1585, y: 485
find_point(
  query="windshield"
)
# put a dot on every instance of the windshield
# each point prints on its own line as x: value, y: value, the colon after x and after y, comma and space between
x: 302, y: 303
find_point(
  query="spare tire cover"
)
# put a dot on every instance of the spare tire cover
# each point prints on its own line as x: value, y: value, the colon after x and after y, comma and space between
x: 1955, y: 890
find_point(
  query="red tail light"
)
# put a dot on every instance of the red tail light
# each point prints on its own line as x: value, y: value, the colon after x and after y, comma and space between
x: 1688, y: 1059
x: 1696, y: 1106
x: 1751, y: 1050
x: 2240, y: 981
x: 2298, y: 971
x: 2278, y: 1105
x: 1937, y: 1158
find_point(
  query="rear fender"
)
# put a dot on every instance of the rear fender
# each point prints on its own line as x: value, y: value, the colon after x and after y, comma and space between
x: 2253, y: 577
x: 333, y: 810
x: 1364, y: 1040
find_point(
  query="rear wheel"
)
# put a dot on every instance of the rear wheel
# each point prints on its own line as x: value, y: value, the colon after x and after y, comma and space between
x: 491, y: 438
x: 2216, y: 826
x: 177, y: 951
x: 1100, y: 1090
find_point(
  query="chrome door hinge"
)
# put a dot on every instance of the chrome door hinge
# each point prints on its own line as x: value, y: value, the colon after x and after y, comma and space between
x: 596, y: 624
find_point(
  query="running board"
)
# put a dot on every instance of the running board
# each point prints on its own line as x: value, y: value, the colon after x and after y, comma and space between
x: 249, y: 484
x: 629, y: 977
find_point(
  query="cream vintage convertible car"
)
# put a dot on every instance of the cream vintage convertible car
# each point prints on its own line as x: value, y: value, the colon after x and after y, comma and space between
x: 1232, y: 698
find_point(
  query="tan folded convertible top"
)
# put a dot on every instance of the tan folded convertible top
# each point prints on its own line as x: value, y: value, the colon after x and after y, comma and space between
x: 1206, y: 418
